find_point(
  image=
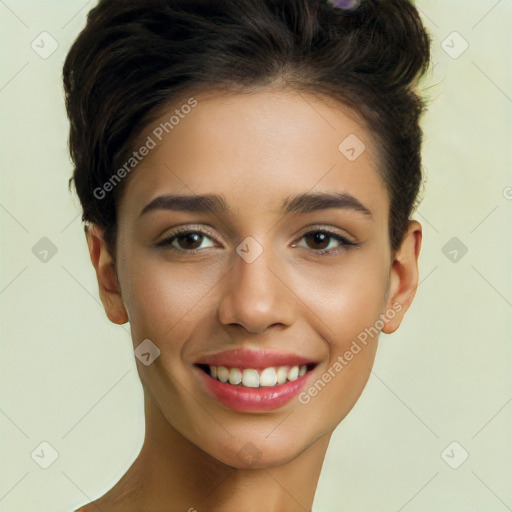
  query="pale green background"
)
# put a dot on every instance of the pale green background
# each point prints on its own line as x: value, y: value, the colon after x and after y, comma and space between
x: 68, y: 376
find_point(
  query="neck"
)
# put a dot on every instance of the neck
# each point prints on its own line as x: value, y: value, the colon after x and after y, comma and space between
x: 171, y: 473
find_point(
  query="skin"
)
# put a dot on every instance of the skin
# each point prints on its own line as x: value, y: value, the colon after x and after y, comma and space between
x: 256, y: 150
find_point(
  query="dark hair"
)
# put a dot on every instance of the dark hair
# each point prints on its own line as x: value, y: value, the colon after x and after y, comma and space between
x: 135, y: 56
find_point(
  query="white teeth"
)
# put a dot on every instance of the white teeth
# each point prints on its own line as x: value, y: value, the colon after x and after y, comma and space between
x: 293, y: 374
x: 235, y: 376
x: 251, y: 378
x: 282, y: 374
x: 268, y: 377
x: 222, y: 373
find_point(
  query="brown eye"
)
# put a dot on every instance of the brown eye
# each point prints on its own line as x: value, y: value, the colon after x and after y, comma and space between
x: 318, y: 240
x: 326, y: 242
x: 186, y: 241
x: 189, y: 241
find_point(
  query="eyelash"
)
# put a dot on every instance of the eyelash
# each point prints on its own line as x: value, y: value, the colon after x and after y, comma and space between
x: 345, y: 243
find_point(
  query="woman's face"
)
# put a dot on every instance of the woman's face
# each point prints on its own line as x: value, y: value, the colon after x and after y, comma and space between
x: 250, y: 276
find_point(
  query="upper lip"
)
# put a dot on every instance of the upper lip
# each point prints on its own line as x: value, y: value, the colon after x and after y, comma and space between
x: 250, y: 358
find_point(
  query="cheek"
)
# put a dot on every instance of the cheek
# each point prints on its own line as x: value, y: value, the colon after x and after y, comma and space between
x: 347, y: 302
x: 347, y: 297
x: 163, y: 299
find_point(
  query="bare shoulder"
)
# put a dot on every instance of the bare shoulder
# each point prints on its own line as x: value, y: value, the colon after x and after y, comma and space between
x: 99, y: 505
x: 89, y: 507
x: 95, y: 506
x: 125, y: 496
x: 124, y: 499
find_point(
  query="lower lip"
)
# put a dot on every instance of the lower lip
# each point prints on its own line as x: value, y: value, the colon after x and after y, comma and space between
x: 244, y: 399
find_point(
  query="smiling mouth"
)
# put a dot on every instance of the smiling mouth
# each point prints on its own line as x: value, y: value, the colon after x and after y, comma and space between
x: 272, y: 376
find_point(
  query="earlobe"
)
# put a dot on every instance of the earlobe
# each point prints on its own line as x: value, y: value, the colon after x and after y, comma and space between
x: 403, y: 277
x: 103, y: 262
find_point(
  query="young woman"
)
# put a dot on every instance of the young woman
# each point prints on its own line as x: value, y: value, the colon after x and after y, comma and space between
x: 247, y: 171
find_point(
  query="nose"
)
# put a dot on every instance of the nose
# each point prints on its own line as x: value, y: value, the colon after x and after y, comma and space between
x: 257, y: 295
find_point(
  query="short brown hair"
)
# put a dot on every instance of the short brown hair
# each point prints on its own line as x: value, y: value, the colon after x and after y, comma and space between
x: 135, y: 56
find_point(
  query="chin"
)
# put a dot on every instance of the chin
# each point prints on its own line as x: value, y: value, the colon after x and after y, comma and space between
x: 258, y: 451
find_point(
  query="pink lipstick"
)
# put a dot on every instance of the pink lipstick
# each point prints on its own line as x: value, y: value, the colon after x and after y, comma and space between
x: 254, y: 380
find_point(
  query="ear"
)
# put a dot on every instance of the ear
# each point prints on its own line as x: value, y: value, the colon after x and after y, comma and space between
x: 103, y: 262
x: 403, y: 277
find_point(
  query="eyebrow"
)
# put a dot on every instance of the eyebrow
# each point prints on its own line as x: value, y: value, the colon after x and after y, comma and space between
x: 302, y: 203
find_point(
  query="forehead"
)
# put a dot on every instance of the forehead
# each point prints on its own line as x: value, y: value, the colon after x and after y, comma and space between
x: 254, y: 149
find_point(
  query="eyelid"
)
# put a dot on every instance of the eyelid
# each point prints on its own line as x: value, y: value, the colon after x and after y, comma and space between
x: 331, y: 230
x: 200, y: 228
x: 187, y: 228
